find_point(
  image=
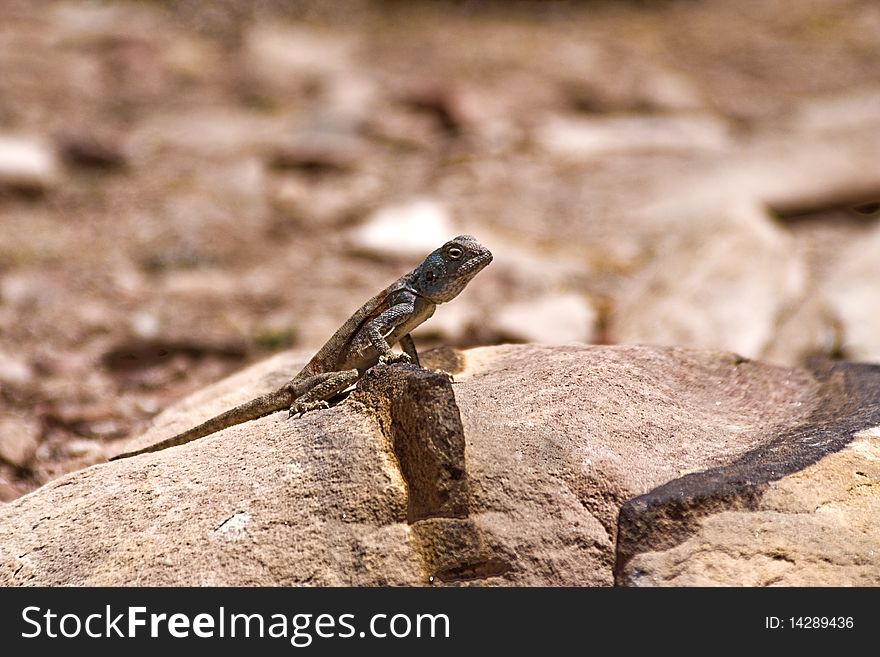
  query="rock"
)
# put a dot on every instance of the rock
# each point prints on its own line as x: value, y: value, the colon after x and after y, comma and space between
x: 839, y: 315
x: 8, y: 480
x: 577, y: 137
x: 83, y: 448
x: 455, y: 325
x: 19, y: 439
x: 848, y: 110
x: 145, y: 325
x: 850, y: 292
x: 722, y: 284
x: 326, y: 203
x: 548, y: 319
x: 286, y: 49
x: 26, y: 164
x: 101, y: 419
x: 814, y: 528
x: 282, y: 56
x: 379, y: 490
x: 799, y: 173
x: 349, y: 98
x: 627, y: 86
x: 146, y: 352
x: 462, y: 108
x: 404, y: 129
x: 208, y: 133
x: 318, y: 153
x: 800, y: 511
x: 14, y: 370
x: 810, y: 331
x: 320, y: 177
x: 407, y: 230
x: 93, y: 151
x: 442, y: 103
x: 192, y: 58
x: 869, y: 208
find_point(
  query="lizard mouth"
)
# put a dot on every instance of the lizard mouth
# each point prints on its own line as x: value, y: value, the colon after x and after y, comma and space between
x: 477, y: 263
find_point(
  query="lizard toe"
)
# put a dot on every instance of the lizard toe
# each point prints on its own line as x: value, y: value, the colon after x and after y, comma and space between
x: 299, y: 409
x: 395, y: 358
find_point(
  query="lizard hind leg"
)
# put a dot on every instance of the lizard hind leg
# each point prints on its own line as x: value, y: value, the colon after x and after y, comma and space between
x: 325, y: 386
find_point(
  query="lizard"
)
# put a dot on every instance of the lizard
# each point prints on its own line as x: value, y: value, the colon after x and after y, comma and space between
x: 364, y: 340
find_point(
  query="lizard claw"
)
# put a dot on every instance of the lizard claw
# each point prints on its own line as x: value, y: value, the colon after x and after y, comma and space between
x: 298, y: 409
x: 395, y: 358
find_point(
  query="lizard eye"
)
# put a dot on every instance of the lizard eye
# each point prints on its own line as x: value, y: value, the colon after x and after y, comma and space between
x: 429, y: 276
x: 454, y: 252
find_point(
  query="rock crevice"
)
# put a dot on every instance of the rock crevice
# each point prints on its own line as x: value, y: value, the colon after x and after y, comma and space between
x: 419, y: 417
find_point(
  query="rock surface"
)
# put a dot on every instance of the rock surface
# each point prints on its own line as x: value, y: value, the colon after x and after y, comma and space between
x: 591, y: 138
x: 816, y: 527
x: 551, y: 319
x: 722, y: 284
x: 513, y: 475
x: 19, y: 439
x: 851, y: 294
x: 799, y: 510
x: 409, y: 229
x: 251, y: 173
x: 26, y: 164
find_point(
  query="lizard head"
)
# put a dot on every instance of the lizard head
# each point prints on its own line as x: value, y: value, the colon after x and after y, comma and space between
x: 450, y: 268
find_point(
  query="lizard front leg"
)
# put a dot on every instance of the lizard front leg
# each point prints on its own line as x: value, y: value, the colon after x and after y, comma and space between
x: 409, y: 348
x: 319, y: 389
x: 385, y: 323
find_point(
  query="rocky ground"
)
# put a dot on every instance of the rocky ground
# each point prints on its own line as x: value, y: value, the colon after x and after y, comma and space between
x: 185, y: 188
x: 569, y: 465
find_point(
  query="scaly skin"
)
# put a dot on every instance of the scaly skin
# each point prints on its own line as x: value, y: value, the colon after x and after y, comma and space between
x: 364, y: 340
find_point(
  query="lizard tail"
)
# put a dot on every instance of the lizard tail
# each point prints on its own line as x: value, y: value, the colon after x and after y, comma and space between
x: 279, y: 400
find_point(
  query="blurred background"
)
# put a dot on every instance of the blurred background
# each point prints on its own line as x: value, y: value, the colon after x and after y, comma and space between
x: 186, y: 187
